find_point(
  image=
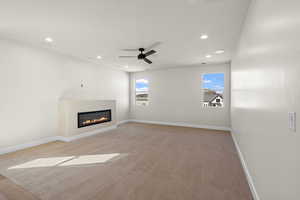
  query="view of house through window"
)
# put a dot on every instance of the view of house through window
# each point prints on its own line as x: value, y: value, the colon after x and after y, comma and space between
x: 213, y: 89
x: 142, y: 92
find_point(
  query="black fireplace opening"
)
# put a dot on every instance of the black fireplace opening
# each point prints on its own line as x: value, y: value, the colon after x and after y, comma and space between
x: 94, y: 117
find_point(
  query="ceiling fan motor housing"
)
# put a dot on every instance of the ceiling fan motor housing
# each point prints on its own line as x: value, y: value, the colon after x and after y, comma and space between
x: 141, y: 55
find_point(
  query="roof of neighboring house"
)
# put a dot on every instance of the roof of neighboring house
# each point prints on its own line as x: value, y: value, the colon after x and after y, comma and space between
x: 210, y: 96
x: 142, y: 95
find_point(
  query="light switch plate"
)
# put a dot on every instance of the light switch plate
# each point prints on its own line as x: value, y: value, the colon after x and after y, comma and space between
x: 292, y: 121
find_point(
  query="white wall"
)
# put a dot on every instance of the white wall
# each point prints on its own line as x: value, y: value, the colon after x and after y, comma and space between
x: 265, y: 87
x: 175, y: 96
x: 33, y: 80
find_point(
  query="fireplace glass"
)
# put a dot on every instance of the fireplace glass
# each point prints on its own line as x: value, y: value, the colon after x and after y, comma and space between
x: 94, y: 117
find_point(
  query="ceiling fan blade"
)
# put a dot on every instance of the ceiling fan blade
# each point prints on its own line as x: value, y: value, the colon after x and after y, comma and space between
x: 153, y: 46
x: 150, y: 53
x: 130, y: 49
x: 127, y: 56
x: 147, y: 60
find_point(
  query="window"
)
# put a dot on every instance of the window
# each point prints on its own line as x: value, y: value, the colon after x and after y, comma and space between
x: 213, y: 90
x: 142, y: 92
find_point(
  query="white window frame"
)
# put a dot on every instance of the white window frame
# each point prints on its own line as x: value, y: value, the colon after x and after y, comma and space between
x: 135, y: 93
x: 202, y: 91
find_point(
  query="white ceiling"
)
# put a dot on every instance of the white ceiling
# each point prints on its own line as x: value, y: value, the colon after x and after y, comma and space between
x: 87, y: 28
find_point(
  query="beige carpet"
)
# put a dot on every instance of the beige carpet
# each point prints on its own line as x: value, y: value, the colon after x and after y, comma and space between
x: 133, y: 162
x: 11, y: 191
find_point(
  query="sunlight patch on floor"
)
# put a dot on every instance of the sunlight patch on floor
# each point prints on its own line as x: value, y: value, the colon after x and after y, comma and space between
x: 90, y: 159
x: 67, y: 161
x: 43, y: 162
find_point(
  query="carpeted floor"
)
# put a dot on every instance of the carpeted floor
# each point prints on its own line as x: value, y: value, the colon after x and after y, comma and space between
x: 133, y: 162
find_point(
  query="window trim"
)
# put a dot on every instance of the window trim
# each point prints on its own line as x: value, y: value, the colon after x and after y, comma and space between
x: 202, y: 90
x: 135, y: 101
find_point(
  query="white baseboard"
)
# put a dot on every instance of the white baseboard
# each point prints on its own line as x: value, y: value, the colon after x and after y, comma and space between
x: 27, y: 145
x: 123, y: 122
x: 18, y: 147
x: 246, y: 170
x: 220, y: 128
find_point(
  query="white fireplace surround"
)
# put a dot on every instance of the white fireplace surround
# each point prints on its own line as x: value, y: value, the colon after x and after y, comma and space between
x: 68, y: 110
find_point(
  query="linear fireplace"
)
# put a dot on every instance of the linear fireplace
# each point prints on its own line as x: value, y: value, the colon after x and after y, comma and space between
x: 94, y: 117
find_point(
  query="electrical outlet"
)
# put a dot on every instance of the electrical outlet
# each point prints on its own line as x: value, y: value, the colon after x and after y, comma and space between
x: 292, y: 121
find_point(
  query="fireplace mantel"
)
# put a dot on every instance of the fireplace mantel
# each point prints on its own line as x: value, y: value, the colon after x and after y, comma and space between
x: 68, y: 115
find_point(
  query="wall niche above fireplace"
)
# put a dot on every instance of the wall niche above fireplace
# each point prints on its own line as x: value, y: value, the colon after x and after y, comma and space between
x: 94, y: 117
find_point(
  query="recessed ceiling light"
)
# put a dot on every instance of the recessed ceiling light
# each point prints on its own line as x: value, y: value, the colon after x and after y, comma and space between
x: 99, y: 57
x: 208, y: 56
x: 220, y: 51
x: 48, y: 39
x: 126, y: 66
x: 204, y: 37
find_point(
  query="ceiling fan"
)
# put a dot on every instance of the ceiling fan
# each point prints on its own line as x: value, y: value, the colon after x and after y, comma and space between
x: 143, y: 56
